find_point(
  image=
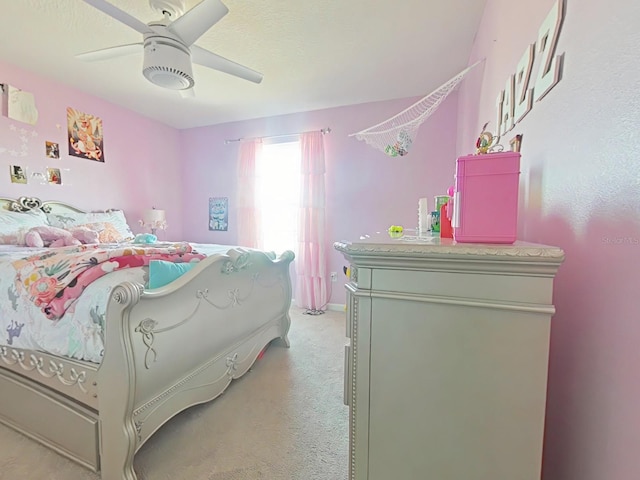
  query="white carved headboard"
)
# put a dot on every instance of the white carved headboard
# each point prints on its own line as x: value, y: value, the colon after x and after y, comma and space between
x: 25, y: 204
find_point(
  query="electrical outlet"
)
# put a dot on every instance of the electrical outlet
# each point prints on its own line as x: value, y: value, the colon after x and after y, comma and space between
x: 334, y: 277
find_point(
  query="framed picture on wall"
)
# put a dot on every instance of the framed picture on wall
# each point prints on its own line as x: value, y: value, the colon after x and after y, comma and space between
x: 53, y: 176
x: 84, y: 134
x: 18, y: 174
x: 218, y: 214
x: 52, y: 150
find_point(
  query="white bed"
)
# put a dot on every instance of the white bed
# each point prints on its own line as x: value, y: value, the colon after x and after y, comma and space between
x: 161, y: 351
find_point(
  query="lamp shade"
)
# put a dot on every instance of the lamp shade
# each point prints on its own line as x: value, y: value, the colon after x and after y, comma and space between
x: 154, y: 216
x: 154, y: 219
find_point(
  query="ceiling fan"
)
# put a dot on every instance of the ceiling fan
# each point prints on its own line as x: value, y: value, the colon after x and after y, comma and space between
x: 168, y: 44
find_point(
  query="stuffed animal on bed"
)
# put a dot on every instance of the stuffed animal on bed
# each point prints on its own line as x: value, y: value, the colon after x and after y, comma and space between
x: 46, y: 236
x: 145, y: 238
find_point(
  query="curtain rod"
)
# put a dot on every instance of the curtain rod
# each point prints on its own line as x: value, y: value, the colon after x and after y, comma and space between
x: 324, y: 131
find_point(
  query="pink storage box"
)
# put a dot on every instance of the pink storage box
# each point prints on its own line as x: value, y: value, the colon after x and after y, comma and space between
x: 485, y: 198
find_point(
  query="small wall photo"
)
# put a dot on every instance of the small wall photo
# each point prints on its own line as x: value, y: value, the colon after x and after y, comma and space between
x: 18, y: 174
x: 219, y: 214
x: 52, y: 150
x: 53, y: 176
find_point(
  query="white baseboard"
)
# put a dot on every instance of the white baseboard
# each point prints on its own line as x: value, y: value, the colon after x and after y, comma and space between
x: 335, y: 307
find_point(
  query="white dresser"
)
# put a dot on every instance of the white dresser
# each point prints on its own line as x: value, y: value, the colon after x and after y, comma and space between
x: 446, y: 363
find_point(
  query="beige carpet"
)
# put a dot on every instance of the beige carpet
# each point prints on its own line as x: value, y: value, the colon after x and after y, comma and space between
x: 284, y: 420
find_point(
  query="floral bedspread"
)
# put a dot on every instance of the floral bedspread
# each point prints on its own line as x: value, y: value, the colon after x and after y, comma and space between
x: 79, y: 331
x: 54, y: 279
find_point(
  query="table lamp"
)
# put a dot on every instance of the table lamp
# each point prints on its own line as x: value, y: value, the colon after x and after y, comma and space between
x: 154, y: 219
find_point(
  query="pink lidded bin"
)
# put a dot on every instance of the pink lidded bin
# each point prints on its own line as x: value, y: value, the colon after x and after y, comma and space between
x: 485, y: 198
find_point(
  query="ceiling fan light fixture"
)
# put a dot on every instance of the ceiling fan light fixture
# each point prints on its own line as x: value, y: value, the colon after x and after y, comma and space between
x: 168, y: 64
x: 175, y: 8
x: 169, y: 43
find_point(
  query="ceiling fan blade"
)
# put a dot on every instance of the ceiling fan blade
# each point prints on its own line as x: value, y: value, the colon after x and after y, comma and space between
x: 111, y: 52
x: 209, y: 59
x: 119, y: 15
x: 190, y: 26
x: 188, y: 93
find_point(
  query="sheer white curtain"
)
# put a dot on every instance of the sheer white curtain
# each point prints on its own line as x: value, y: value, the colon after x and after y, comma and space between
x: 311, y: 267
x: 247, y: 214
x: 278, y: 194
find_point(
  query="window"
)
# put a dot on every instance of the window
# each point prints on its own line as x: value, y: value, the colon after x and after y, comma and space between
x: 278, y: 195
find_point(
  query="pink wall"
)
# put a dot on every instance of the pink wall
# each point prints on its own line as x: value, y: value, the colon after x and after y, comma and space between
x: 580, y: 187
x: 366, y: 190
x: 140, y: 168
x: 581, y: 191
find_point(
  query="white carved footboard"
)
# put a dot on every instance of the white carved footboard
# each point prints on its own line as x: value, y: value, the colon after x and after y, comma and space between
x: 182, y: 344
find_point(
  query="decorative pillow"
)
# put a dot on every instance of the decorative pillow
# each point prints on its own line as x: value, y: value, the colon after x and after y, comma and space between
x: 107, y: 232
x: 114, y: 217
x: 85, y: 234
x: 15, y: 225
x: 162, y: 272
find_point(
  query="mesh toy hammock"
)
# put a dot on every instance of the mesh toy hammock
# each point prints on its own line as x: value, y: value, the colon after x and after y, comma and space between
x: 395, y: 135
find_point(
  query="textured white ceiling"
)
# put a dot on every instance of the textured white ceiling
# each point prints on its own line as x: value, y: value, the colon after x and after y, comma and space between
x: 313, y: 54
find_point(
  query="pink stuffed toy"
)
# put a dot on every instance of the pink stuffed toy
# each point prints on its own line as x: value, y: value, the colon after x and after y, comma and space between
x: 46, y: 236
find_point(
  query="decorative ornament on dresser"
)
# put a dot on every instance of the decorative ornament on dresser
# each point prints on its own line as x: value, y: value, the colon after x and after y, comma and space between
x: 487, y: 142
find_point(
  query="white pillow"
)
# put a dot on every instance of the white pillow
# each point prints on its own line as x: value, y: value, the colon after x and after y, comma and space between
x: 14, y: 225
x: 73, y: 219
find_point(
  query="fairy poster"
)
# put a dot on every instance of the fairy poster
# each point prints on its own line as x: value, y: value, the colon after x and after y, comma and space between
x: 219, y: 213
x: 85, y: 135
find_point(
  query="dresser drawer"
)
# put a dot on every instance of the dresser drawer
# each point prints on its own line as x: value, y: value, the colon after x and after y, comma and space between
x: 467, y: 285
x: 49, y: 418
x: 348, y: 385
